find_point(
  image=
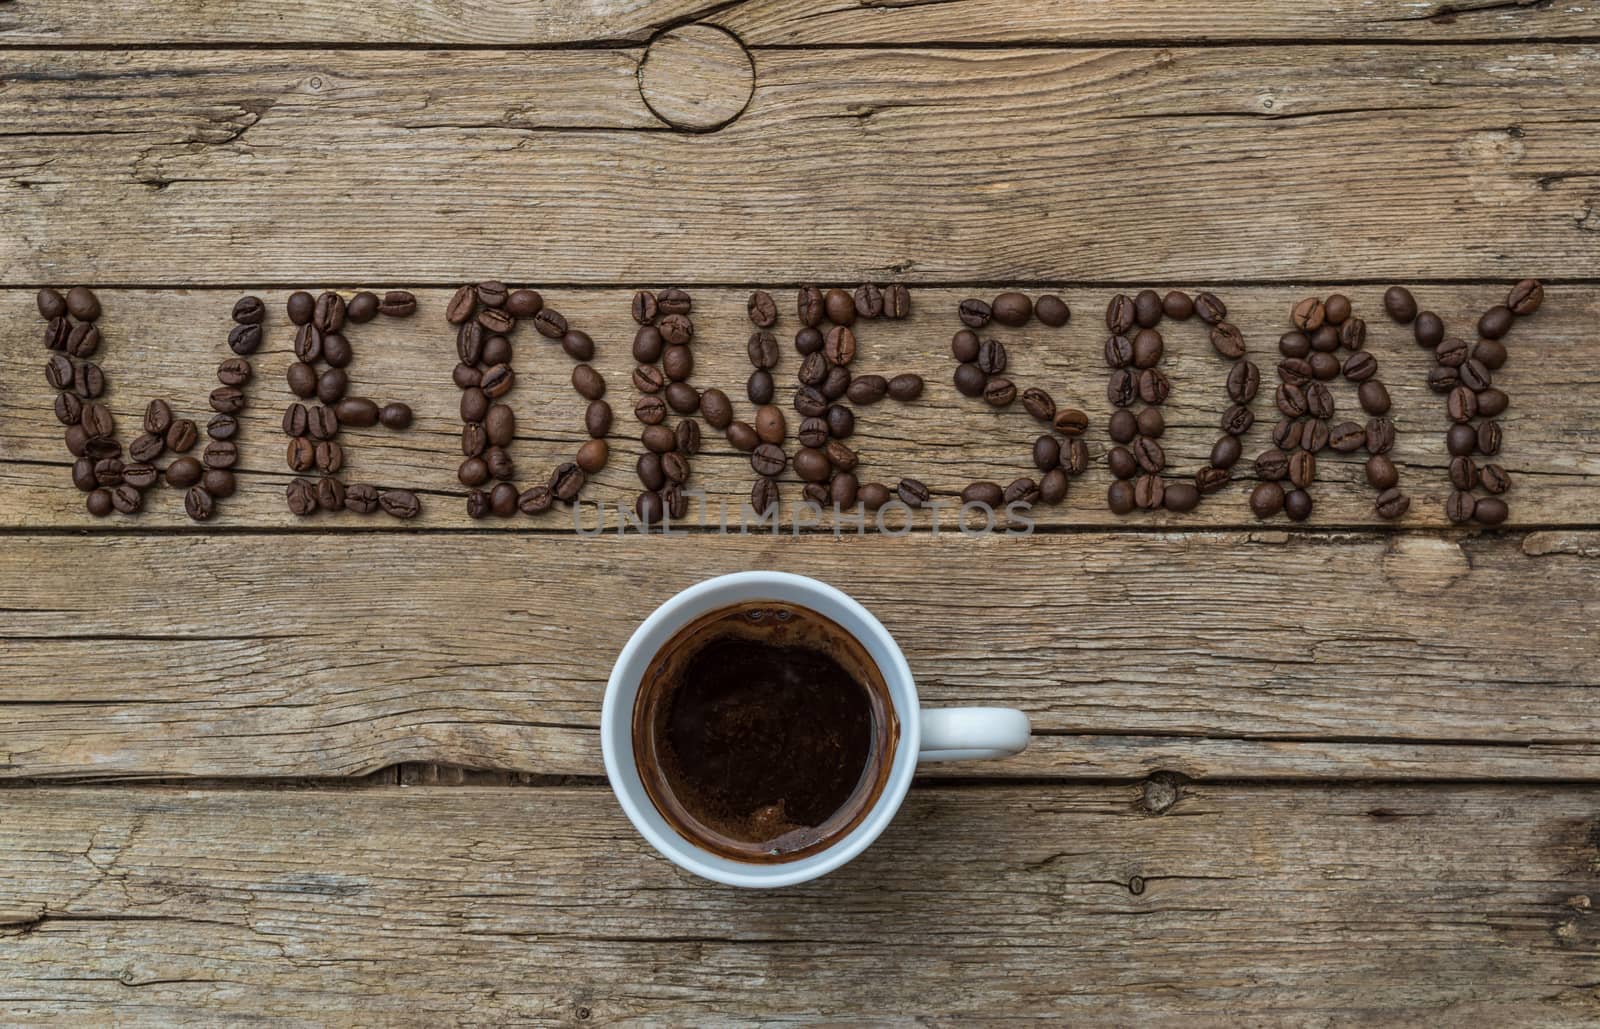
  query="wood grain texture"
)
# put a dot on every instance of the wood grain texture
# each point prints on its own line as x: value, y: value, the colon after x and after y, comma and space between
x: 491, y: 906
x: 167, y: 344
x: 787, y: 22
x: 312, y: 655
x: 1222, y: 164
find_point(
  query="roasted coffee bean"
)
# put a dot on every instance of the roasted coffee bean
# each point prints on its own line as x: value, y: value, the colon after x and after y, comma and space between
x: 1286, y: 434
x: 1461, y: 440
x: 1460, y: 506
x: 361, y: 498
x: 1336, y: 309
x: 674, y: 301
x: 837, y: 382
x: 839, y: 346
x: 1297, y: 505
x: 1039, y: 404
x: 463, y: 304
x: 770, y: 425
x: 1428, y: 329
x: 1147, y: 308
x: 742, y: 436
x: 688, y: 436
x: 1474, y: 375
x: 897, y: 301
x: 1295, y: 345
x: 1149, y: 455
x: 301, y: 454
x: 296, y: 420
x: 1177, y: 305
x: 1272, y: 465
x: 813, y: 370
x: 497, y: 381
x: 68, y: 408
x: 1524, y: 298
x: 1360, y: 366
x: 249, y: 311
x: 912, y: 492
x: 1374, y: 397
x: 974, y: 313
x: 307, y: 344
x: 965, y: 345
x: 83, y: 475
x: 302, y: 379
x: 809, y: 306
x: 999, y: 392
x: 676, y: 329
x: 499, y: 426
x: 58, y: 372
x: 1302, y: 468
x: 645, y: 309
x: 496, y: 350
x: 1149, y: 492
x: 83, y: 305
x: 1022, y: 491
x: 183, y: 472
x: 1120, y: 315
x: 1381, y: 472
x: 647, y: 345
x: 763, y: 310
x: 1052, y: 310
x: 1291, y: 400
x: 763, y: 496
x: 302, y: 497
x: 474, y: 471
x: 840, y: 307
x: 56, y: 334
x: 1315, y: 435
x: 811, y: 465
x: 1154, y: 387
x: 1227, y: 340
x: 647, y: 379
x: 147, y: 447
x: 1319, y: 401
x: 841, y: 421
x: 768, y: 460
x: 1347, y: 437
x: 330, y: 494
x: 235, y: 371
x: 1400, y: 304
x: 1353, y: 334
x: 682, y: 397
x: 182, y: 436
x: 1492, y: 477
x: 809, y: 402
x: 503, y: 499
x: 1147, y: 348
x: 1150, y: 422
x: 400, y: 503
x: 1462, y: 405
x: 1442, y: 378
x: 1119, y: 498
x: 219, y: 482
x: 868, y: 389
x: 356, y: 412
x: 1489, y: 438
x: 474, y: 404
x: 1180, y: 497
x: 650, y: 409
x: 1121, y: 463
x: 906, y: 387
x: 1122, y: 388
x: 550, y: 323
x: 579, y: 345
x: 1119, y: 352
x: 1309, y: 314
x: 1295, y: 371
x: 1492, y: 403
x: 677, y: 361
x: 762, y: 349
x: 1075, y: 457
x: 1496, y: 322
x: 1452, y: 352
x: 650, y: 470
x: 1490, y: 353
x: 1491, y: 511
x: 126, y: 500
x: 1013, y: 309
x: 1236, y: 420
x: 301, y: 307
x: 1380, y: 435
x: 395, y: 416
x: 88, y: 381
x: 322, y: 423
x: 157, y: 418
x: 760, y: 387
x: 328, y: 315
x: 1463, y: 473
x: 83, y: 340
x: 807, y: 341
x: 970, y: 380
x: 331, y: 386
x: 813, y: 432
x: 51, y: 304
x: 566, y: 482
x: 361, y: 308
x: 399, y: 303
x: 1392, y: 504
x: 1053, y: 487
x: 141, y: 474
x: 1046, y: 453
x: 198, y: 504
x: 108, y: 472
x: 473, y: 439
x: 99, y: 503
x: 1244, y: 380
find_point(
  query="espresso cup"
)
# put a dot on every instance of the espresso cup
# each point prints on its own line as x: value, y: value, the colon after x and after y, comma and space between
x: 937, y: 734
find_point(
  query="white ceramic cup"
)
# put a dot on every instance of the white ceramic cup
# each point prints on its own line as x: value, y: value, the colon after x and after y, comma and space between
x: 943, y: 734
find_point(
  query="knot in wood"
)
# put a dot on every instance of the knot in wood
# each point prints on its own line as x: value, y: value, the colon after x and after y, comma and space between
x: 696, y: 78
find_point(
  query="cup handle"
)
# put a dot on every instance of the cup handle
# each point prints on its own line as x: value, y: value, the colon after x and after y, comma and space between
x: 972, y: 733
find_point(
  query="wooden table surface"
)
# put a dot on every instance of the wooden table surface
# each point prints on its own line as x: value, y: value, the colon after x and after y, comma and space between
x: 346, y: 770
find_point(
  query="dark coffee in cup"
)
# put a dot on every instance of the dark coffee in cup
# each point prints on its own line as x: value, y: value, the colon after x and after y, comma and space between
x: 764, y: 732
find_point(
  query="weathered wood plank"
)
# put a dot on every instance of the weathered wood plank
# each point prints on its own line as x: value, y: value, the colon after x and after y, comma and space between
x: 468, y: 905
x: 167, y: 344
x: 786, y: 22
x: 1278, y: 164
x: 316, y: 655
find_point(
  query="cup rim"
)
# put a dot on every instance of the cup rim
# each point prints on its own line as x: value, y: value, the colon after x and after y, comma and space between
x: 617, y: 716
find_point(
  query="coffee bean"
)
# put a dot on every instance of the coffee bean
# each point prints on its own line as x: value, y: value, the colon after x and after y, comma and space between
x: 906, y: 387
x: 1380, y: 435
x: 1149, y: 492
x: 912, y: 493
x: 768, y: 460
x: 141, y: 475
x: 759, y: 387
x: 1461, y: 440
x: 897, y: 302
x: 330, y: 494
x: 1121, y: 463
x: 682, y: 397
x: 474, y: 440
x: 1524, y: 298
x: 1295, y: 345
x: 321, y: 423
x: 463, y: 304
x: 307, y: 344
x: 1428, y: 329
x: 107, y: 472
x: 1147, y: 348
x: 1022, y: 491
x: 839, y: 307
x: 1442, y: 378
x: 763, y: 496
x: 328, y: 314
x: 1120, y: 315
x: 68, y: 408
x: 1013, y: 309
x: 839, y: 346
x: 1462, y: 405
x: 475, y: 404
x: 50, y: 303
x: 1149, y: 455
x: 126, y: 500
x: 331, y: 385
x: 1297, y: 505
x: 301, y: 307
x: 1147, y: 309
x: 1046, y: 453
x: 1309, y: 314
x: 1210, y: 309
x: 648, y: 468
x: 813, y: 432
x: 496, y: 321
x: 88, y: 381
x: 579, y: 345
x: 1374, y: 397
x: 809, y: 306
x: 1119, y: 498
x: 1490, y: 353
x: 1492, y: 403
x: 99, y: 503
x: 83, y: 305
x: 301, y: 454
x: 1491, y: 511
x: 302, y: 379
x: 1315, y: 435
x: 677, y: 361
x: 330, y: 456
x: 497, y: 381
x: 1227, y: 340
x: 1291, y: 400
x: 1463, y: 473
x: 1272, y: 465
x: 675, y: 329
x: 1494, y: 478
x: 296, y: 421
x: 1400, y: 304
x: 675, y: 467
x: 645, y: 309
x: 1489, y: 438
x: 1452, y: 352
x: 83, y: 340
x: 1302, y: 468
x: 1353, y: 334
x: 1347, y: 437
x: 400, y: 503
x: 841, y: 421
x: 1154, y: 387
x: 361, y: 308
x: 1474, y: 375
x: 551, y: 324
x: 1122, y: 387
x: 1052, y: 311
x: 182, y: 435
x: 809, y: 402
x: 650, y: 409
x: 1070, y: 421
x: 988, y: 494
x: 999, y: 392
x: 836, y: 383
x: 1459, y: 507
x: 1360, y: 366
x: 974, y: 313
x: 474, y: 471
x: 357, y: 412
x: 689, y: 436
x: 813, y: 370
x: 147, y: 447
x: 742, y: 436
x: 302, y: 497
x: 1039, y: 404
x: 1319, y: 401
x: 59, y: 372
x: 1236, y: 420
x: 1286, y: 434
x: 1496, y: 322
x: 868, y: 389
x: 970, y: 380
x: 811, y: 465
x: 1244, y: 380
x: 56, y: 334
x: 1392, y: 504
x: 770, y: 425
x: 1180, y: 497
